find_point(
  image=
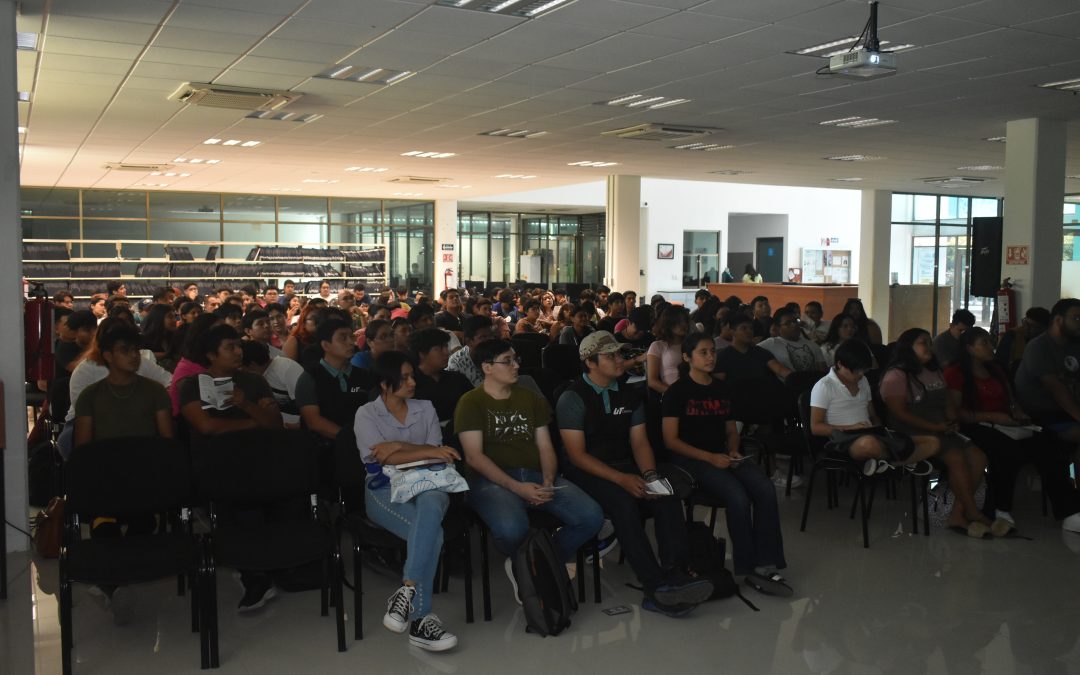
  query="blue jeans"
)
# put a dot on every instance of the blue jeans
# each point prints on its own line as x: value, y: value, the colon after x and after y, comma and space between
x: 507, y: 516
x: 753, y: 516
x: 419, y: 522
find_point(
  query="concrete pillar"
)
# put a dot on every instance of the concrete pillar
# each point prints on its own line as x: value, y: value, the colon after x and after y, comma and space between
x: 12, y: 372
x: 1034, y: 193
x: 623, y: 235
x: 446, y: 254
x: 875, y: 232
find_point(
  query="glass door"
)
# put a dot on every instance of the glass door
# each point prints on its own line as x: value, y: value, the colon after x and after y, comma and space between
x: 701, y: 258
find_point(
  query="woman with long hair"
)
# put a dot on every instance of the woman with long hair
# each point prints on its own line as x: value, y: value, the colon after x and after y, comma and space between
x: 191, y: 361
x: 158, y: 333
x: 304, y: 332
x: 563, y: 318
x: 991, y: 417
x: 750, y: 275
x: 917, y: 397
x: 704, y: 439
x: 394, y: 429
x: 665, y: 353
x: 866, y: 329
x: 841, y: 329
x: 547, y: 310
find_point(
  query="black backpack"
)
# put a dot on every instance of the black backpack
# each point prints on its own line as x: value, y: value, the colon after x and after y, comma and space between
x: 543, y: 585
x: 707, y: 560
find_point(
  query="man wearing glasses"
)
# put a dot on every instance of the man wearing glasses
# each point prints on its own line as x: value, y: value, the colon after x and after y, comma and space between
x: 511, y: 462
x: 791, y: 348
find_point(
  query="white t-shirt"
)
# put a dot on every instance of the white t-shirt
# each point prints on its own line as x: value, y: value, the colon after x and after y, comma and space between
x: 798, y: 355
x: 281, y: 375
x: 841, y: 407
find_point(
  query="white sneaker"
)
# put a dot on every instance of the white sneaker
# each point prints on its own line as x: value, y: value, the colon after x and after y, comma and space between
x: 1006, y: 516
x: 398, y: 608
x: 1071, y: 523
x: 428, y: 633
x: 509, y: 566
x: 779, y: 479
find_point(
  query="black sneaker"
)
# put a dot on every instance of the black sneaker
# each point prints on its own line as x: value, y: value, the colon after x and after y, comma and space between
x: 675, y: 611
x: 428, y: 633
x: 257, y: 591
x: 682, y: 589
x: 919, y: 468
x: 398, y: 609
x: 605, y: 540
x: 772, y: 584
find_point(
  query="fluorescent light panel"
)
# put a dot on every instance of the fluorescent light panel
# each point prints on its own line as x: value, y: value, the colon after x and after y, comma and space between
x: 526, y: 9
x: 731, y: 172
x: 513, y: 133
x: 995, y: 139
x: 847, y: 180
x: 26, y: 41
x: 592, y: 164
x: 365, y: 74
x: 231, y: 141
x: 643, y: 101
x: 1064, y: 85
x: 856, y: 122
x: 427, y: 154
x: 515, y: 176
x: 853, y: 158
x: 702, y: 147
x: 368, y: 169
x: 283, y: 116
x: 980, y: 167
x: 839, y: 46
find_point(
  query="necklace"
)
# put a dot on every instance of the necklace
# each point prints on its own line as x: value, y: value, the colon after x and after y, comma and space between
x: 116, y: 394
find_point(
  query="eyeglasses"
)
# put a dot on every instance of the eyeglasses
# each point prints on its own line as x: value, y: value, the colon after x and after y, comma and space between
x: 509, y: 362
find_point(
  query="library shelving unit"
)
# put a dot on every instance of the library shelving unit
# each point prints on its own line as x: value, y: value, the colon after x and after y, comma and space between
x: 56, y: 264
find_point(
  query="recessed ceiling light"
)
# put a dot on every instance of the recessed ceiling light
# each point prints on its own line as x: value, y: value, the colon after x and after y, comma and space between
x: 1064, y: 85
x: 277, y: 116
x: 318, y: 180
x: 24, y: 96
x: 196, y: 160
x: 408, y: 194
x: 856, y: 122
x: 643, y: 101
x: 152, y: 185
x: 169, y: 174
x: 702, y: 147
x: 847, y: 180
x: 281, y: 189
x: 454, y: 186
x: 995, y: 139
x: 26, y: 41
x: 365, y: 74
x: 853, y: 158
x: 212, y: 141
x: 980, y: 167
x: 512, y: 133
x: 527, y: 9
x: 516, y: 176
x: 427, y: 154
x: 367, y: 169
x: 592, y: 164
x: 731, y: 172
x: 1077, y: 177
x: 22, y: 130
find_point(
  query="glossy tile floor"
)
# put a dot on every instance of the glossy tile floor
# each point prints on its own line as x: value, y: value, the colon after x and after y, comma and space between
x: 909, y: 604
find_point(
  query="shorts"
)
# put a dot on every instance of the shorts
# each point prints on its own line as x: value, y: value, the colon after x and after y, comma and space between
x: 898, y: 446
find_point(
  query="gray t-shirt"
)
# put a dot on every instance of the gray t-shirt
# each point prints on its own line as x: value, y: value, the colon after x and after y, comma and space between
x: 797, y: 355
x: 946, y: 348
x: 1044, y: 356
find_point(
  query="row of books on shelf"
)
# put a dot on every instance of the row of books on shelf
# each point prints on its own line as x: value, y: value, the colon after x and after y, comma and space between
x: 296, y: 254
x: 112, y: 270
x: 141, y: 288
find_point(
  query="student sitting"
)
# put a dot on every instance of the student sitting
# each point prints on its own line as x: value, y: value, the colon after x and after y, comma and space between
x: 380, y: 338
x: 1048, y: 380
x: 256, y: 327
x: 281, y: 374
x: 511, y: 461
x: 695, y: 409
x: 430, y: 353
x: 946, y: 346
x: 790, y: 347
x: 915, y: 392
x: 812, y: 325
x: 987, y: 410
x: 744, y: 360
x: 663, y: 358
x: 603, y: 430
x: 478, y: 329
x: 580, y: 327
x: 842, y: 409
x: 394, y: 429
x: 329, y: 394
x: 1011, y: 344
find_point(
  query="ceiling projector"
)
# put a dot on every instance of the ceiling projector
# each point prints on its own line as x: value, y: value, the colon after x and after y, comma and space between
x: 863, y: 63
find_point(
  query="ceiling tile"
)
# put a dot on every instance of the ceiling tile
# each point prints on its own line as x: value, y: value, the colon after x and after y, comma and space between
x: 128, y: 32
x: 619, y: 51
x: 247, y: 22
x: 696, y: 27
x: 608, y: 14
x: 314, y: 52
x: 478, y: 25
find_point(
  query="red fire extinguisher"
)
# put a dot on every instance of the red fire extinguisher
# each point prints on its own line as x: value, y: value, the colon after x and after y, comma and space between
x: 37, y: 321
x: 1007, y: 307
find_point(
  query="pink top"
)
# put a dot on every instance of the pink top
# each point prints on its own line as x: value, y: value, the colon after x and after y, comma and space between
x: 895, y: 383
x: 183, y: 369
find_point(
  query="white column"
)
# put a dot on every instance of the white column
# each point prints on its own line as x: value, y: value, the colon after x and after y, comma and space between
x: 446, y: 253
x: 1034, y: 194
x: 623, y: 235
x: 11, y: 330
x: 874, y: 238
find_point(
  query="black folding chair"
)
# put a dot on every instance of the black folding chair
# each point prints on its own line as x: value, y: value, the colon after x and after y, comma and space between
x: 244, y: 472
x: 365, y: 533
x: 529, y: 347
x: 563, y: 360
x: 128, y: 478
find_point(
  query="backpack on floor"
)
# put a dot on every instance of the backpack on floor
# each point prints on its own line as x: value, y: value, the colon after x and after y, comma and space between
x: 707, y: 555
x: 543, y: 585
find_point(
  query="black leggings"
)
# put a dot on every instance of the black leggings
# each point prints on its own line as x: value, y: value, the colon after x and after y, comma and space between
x: 1007, y: 455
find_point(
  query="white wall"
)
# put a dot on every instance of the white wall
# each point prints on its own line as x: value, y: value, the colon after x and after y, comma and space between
x: 812, y: 214
x: 1070, y: 279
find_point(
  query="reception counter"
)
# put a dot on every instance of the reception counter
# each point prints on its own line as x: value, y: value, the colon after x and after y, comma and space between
x: 832, y: 298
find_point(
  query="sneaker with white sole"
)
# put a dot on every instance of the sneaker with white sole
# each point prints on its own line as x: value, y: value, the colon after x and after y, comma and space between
x: 874, y: 466
x: 398, y: 608
x: 1004, y: 515
x: 257, y: 592
x: 509, y: 566
x: 779, y: 479
x: 919, y: 468
x: 1071, y: 523
x: 605, y: 540
x: 428, y: 633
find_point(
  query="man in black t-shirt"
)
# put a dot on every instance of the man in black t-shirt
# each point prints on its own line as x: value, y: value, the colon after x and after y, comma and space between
x: 616, y: 312
x: 451, y: 316
x: 744, y: 360
x: 430, y: 351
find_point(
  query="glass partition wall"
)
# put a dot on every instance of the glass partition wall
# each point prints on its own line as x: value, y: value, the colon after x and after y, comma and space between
x: 407, y: 227
x: 931, y: 246
x: 561, y: 248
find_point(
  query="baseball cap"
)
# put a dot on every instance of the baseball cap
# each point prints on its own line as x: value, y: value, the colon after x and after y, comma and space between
x: 598, y: 342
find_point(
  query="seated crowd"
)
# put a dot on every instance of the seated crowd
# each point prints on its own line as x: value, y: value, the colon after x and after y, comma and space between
x: 658, y: 397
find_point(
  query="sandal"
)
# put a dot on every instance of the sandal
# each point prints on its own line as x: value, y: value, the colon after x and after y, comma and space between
x: 1002, y: 528
x: 773, y: 584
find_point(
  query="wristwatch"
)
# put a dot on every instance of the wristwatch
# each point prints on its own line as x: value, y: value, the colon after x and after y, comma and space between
x: 649, y: 476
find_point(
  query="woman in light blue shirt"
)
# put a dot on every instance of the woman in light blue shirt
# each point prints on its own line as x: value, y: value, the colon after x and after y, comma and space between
x: 397, y: 429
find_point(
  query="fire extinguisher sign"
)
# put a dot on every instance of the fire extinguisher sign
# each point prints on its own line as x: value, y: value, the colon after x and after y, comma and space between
x: 1016, y: 255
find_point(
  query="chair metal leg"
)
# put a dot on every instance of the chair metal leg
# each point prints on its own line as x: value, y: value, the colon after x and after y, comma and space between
x: 580, y: 562
x: 211, y: 608
x: 324, y: 590
x: 596, y: 571
x: 858, y: 496
x: 865, y: 517
x: 485, y: 573
x: 195, y: 615
x: 870, y: 500
x: 339, y: 600
x: 467, y: 545
x: 199, y: 599
x: 926, y: 505
x: 790, y: 474
x: 436, y: 585
x: 358, y: 592
x: 914, y: 506
x: 809, y: 494
x: 65, y: 622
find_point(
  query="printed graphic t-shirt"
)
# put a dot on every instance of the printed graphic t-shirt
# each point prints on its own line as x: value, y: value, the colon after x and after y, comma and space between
x: 508, y: 425
x: 702, y: 411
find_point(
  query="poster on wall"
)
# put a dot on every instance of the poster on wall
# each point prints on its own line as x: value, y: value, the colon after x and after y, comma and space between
x: 826, y: 266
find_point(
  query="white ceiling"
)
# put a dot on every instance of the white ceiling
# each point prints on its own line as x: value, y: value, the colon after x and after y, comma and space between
x: 104, y: 69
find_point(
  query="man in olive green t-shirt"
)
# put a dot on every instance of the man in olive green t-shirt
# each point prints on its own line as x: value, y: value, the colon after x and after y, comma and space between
x: 512, y: 463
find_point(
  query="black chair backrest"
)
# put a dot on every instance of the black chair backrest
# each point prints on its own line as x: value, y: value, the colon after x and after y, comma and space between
x: 563, y: 360
x: 256, y: 466
x: 349, y: 467
x: 128, y: 476
x: 528, y: 349
x: 814, y: 444
x: 759, y: 400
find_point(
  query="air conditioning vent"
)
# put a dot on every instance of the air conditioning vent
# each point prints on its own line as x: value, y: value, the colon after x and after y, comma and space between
x: 142, y: 168
x: 660, y: 132
x: 954, y: 181
x: 234, y: 98
x: 416, y: 180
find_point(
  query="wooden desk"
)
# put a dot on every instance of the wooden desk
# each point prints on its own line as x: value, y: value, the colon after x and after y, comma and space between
x: 832, y: 298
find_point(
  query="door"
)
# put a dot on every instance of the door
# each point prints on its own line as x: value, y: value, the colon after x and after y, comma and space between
x: 770, y: 259
x: 701, y: 259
